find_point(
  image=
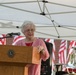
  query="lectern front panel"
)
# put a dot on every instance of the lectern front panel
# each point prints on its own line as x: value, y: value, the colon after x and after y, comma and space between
x: 19, y: 54
x: 13, y: 59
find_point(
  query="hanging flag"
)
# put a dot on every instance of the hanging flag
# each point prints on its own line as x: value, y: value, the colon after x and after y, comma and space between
x: 53, y: 54
x: 17, y: 38
x: 2, y: 39
x: 70, y: 50
x: 63, y: 53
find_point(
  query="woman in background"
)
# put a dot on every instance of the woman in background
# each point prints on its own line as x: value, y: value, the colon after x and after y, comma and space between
x: 28, y: 29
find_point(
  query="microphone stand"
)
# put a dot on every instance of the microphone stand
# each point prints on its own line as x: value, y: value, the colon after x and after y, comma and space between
x: 7, y: 36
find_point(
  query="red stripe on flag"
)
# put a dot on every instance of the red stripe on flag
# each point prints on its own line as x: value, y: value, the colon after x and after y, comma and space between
x: 2, y: 39
x: 17, y: 38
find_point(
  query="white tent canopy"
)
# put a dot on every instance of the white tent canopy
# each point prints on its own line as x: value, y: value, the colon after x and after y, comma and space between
x: 53, y: 18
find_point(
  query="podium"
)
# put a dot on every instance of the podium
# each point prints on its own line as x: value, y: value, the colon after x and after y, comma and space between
x: 14, y: 59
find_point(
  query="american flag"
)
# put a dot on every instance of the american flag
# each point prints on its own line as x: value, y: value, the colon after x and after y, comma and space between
x: 53, y: 54
x: 70, y: 50
x: 17, y: 38
x: 2, y: 39
x: 63, y: 52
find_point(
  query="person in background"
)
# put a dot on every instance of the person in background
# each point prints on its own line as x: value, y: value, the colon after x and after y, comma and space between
x: 28, y: 28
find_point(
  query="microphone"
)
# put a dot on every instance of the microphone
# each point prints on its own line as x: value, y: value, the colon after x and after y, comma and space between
x: 13, y: 34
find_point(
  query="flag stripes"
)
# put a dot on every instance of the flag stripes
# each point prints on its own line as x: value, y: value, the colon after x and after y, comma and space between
x: 62, y: 52
x: 17, y: 38
x: 2, y: 39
